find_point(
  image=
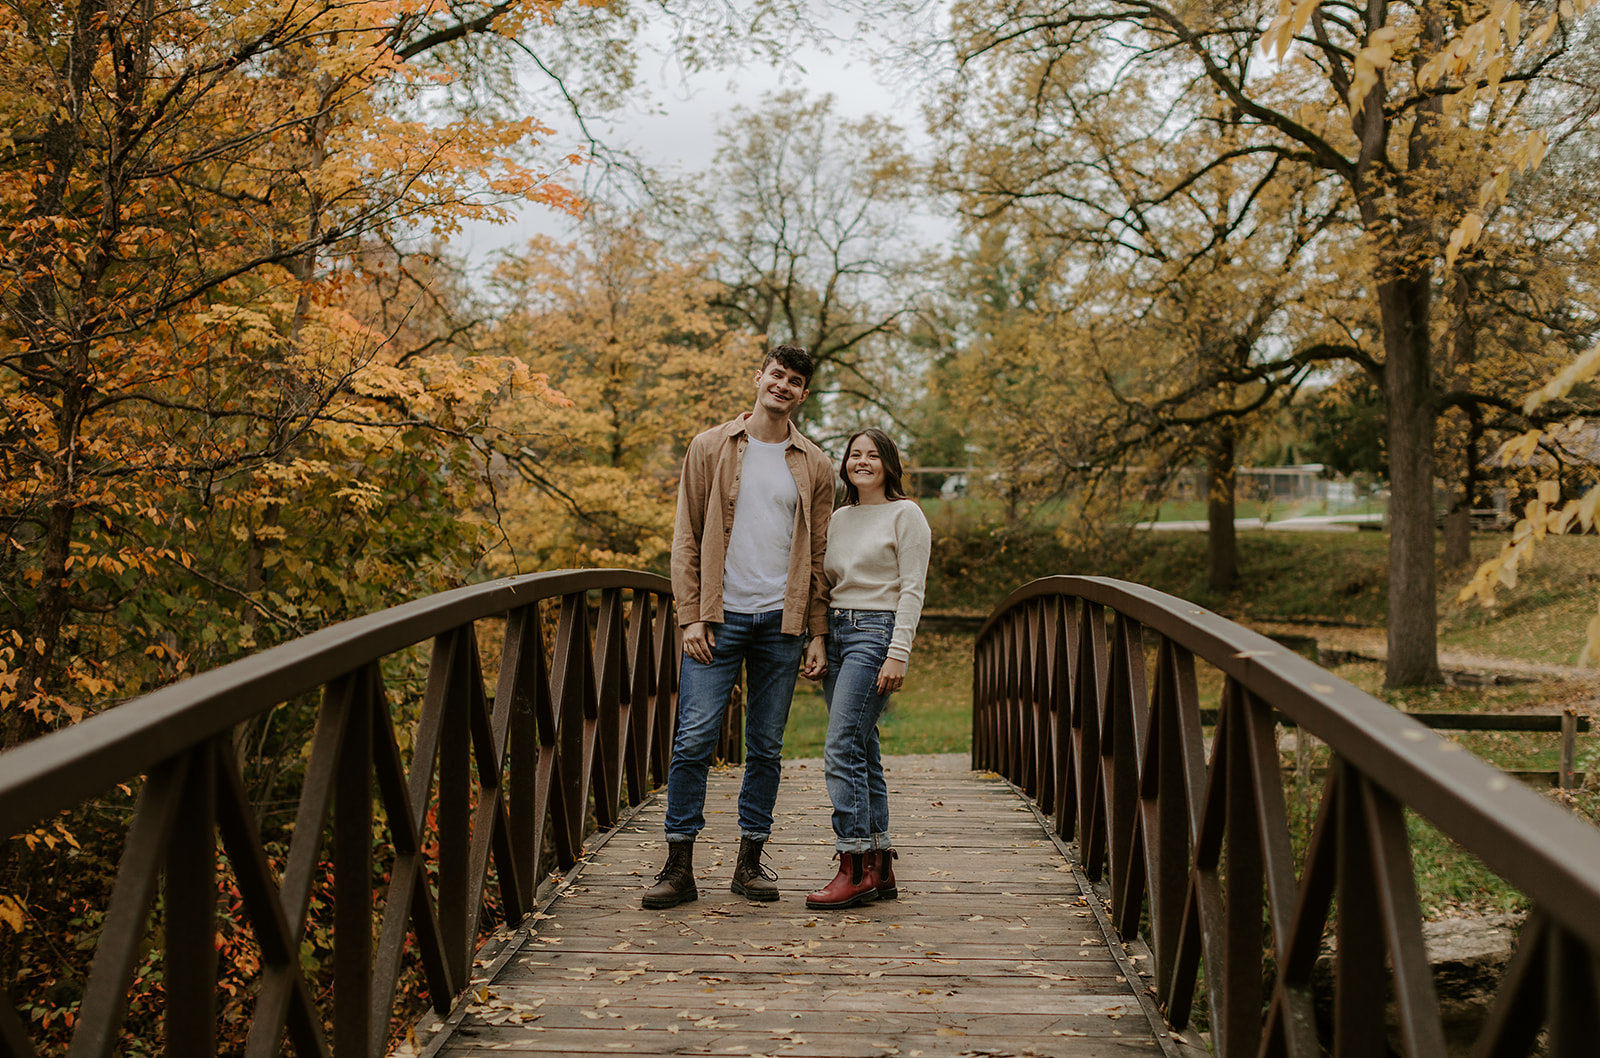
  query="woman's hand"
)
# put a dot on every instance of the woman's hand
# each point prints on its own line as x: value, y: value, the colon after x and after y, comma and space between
x: 816, y: 663
x: 892, y: 676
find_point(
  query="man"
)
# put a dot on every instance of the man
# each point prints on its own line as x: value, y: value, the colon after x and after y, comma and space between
x: 747, y: 549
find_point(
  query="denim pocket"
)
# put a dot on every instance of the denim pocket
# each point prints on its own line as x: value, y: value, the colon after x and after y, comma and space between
x: 879, y: 626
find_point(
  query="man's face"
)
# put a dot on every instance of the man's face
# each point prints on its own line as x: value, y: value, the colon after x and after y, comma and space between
x: 780, y: 390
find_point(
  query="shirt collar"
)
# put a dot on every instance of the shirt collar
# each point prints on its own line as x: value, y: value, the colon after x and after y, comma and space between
x: 741, y: 425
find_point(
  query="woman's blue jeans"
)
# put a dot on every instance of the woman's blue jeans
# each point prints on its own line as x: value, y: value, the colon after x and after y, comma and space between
x: 858, y: 645
x: 771, y: 660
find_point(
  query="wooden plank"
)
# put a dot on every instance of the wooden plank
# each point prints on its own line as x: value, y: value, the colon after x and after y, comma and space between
x: 951, y: 1042
x: 991, y: 949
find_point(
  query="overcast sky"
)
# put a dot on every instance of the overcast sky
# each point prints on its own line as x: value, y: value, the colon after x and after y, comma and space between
x: 671, y: 127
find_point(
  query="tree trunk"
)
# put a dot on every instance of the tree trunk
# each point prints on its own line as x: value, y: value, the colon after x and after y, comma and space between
x: 36, y: 671
x: 1458, y: 532
x: 1408, y: 392
x: 1222, y: 540
x: 1464, y: 348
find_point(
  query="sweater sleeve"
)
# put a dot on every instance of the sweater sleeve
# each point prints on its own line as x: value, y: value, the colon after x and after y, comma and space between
x: 913, y: 543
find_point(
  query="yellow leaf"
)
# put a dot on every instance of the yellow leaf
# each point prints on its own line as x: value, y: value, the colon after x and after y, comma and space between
x: 1586, y: 508
x: 11, y: 912
x: 1591, y: 641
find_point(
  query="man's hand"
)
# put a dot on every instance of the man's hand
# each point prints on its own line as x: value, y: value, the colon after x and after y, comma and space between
x: 892, y: 676
x: 816, y: 663
x: 698, y: 641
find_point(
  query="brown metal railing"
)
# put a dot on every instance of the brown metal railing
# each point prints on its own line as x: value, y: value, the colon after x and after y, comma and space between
x: 558, y: 745
x: 1085, y: 696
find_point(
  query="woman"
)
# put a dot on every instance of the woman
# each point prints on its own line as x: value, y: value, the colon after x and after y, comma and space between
x: 876, y: 565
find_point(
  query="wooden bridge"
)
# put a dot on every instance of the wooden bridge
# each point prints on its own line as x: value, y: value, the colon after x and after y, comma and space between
x: 996, y: 946
x: 1138, y: 726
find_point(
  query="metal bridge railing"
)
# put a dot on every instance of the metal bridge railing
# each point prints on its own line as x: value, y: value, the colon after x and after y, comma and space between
x: 576, y: 729
x: 1085, y: 696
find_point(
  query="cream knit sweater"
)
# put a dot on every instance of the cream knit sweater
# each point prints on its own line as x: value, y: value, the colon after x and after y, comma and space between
x: 878, y: 560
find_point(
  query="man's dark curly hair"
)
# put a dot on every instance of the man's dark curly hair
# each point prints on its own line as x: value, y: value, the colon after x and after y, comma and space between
x: 793, y: 357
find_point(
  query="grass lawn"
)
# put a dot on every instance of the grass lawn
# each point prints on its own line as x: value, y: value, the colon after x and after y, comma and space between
x: 1541, y: 619
x: 932, y: 714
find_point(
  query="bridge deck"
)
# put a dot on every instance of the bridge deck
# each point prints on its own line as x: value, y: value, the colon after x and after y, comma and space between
x: 994, y: 947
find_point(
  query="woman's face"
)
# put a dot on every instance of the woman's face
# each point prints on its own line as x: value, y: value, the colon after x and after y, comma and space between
x: 864, y: 466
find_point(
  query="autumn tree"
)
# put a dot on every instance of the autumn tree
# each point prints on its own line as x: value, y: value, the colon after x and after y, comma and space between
x: 811, y: 223
x: 634, y: 340
x: 187, y: 192
x: 1385, y: 98
x: 1185, y: 299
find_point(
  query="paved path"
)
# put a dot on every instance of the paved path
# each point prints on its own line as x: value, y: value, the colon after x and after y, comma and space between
x: 1372, y: 644
x: 1321, y: 523
x: 994, y: 947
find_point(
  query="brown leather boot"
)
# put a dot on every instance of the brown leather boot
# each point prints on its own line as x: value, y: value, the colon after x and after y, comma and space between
x: 675, y: 884
x: 753, y: 879
x: 856, y: 883
x: 887, y: 890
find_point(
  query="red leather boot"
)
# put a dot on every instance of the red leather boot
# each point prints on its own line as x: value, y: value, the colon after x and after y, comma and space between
x: 856, y: 883
x: 885, y: 858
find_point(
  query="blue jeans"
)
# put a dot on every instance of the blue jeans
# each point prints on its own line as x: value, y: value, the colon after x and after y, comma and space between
x: 771, y: 661
x: 858, y: 645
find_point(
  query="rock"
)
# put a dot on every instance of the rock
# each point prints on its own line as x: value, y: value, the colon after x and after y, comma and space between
x: 1468, y: 955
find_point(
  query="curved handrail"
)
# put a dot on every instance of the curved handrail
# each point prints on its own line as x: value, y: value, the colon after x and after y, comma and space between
x: 583, y: 734
x: 1085, y: 697
x: 72, y: 763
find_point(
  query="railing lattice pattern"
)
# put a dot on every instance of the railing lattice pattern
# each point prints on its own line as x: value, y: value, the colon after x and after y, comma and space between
x: 1085, y: 697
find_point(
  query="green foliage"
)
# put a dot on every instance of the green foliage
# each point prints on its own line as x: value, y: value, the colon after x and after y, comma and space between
x: 977, y: 562
x: 1344, y: 427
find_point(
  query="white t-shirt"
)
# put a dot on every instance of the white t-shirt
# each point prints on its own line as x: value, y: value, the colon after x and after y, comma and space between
x: 756, y: 571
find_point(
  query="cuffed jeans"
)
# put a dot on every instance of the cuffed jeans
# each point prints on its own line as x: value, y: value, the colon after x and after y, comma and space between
x: 771, y: 661
x: 858, y: 645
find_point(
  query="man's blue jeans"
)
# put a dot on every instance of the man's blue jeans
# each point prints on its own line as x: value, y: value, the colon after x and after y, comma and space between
x: 771, y: 661
x: 858, y: 645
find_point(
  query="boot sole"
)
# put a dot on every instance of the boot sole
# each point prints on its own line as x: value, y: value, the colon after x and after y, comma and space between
x: 660, y: 903
x: 754, y: 894
x: 861, y: 898
x: 888, y: 894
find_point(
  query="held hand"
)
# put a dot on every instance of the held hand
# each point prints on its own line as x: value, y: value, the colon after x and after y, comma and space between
x: 698, y: 641
x: 892, y: 676
x: 816, y: 661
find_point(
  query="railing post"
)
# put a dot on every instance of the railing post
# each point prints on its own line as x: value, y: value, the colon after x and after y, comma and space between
x: 611, y: 706
x: 523, y: 684
x: 352, y: 877
x: 190, y: 967
x: 1569, y: 748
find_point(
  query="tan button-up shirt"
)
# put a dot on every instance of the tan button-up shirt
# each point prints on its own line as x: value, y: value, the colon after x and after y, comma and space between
x: 708, y: 491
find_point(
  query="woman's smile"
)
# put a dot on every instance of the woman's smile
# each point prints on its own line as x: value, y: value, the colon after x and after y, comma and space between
x: 866, y: 468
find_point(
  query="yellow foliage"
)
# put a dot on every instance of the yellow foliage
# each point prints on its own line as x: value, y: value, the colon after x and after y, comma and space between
x: 1542, y: 516
x: 12, y: 912
x: 207, y: 342
x: 633, y: 362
